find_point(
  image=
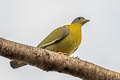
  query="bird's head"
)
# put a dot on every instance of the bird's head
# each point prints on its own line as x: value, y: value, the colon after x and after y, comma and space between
x: 80, y: 20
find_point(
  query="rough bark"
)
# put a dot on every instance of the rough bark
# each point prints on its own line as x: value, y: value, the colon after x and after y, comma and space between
x: 51, y: 61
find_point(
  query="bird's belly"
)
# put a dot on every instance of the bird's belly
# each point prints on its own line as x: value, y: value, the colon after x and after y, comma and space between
x: 67, y: 45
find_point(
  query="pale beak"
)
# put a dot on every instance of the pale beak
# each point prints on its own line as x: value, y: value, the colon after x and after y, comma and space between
x: 87, y: 20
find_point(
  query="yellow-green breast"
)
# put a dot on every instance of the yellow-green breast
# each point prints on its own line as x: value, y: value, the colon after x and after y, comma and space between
x: 70, y: 42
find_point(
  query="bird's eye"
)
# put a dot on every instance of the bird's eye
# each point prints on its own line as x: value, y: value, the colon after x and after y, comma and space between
x: 79, y: 18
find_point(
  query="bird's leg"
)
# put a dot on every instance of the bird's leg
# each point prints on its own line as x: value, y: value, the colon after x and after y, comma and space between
x: 77, y: 57
x: 62, y: 53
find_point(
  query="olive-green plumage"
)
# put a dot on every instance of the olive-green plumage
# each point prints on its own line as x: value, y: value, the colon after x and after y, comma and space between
x: 64, y: 39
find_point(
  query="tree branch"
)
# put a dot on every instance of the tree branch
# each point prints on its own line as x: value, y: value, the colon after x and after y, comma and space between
x: 51, y: 61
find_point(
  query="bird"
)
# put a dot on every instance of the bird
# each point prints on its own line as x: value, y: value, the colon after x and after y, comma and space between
x: 65, y: 39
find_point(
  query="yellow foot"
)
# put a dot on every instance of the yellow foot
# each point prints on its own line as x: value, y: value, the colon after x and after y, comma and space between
x: 63, y: 53
x: 76, y: 57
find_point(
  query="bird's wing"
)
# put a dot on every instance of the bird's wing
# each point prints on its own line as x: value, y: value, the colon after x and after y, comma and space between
x: 75, y: 49
x: 54, y: 37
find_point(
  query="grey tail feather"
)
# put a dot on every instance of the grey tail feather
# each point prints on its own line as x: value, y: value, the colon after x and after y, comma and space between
x: 16, y: 64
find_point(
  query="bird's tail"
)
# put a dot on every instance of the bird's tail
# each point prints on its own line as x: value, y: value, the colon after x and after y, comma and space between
x: 16, y: 64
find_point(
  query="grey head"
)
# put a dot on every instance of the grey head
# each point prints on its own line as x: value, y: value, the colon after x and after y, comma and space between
x: 80, y: 20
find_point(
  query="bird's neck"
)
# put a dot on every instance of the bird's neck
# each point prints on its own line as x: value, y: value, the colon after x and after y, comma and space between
x: 75, y: 27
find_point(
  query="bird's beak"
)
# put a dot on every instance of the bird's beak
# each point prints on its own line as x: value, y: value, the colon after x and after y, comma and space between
x: 87, y: 20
